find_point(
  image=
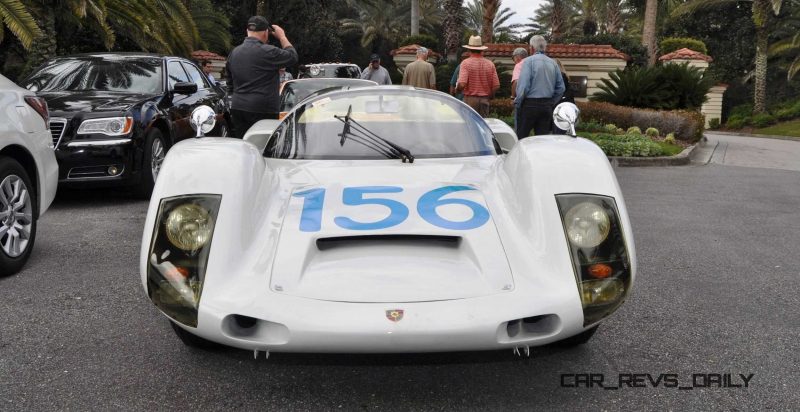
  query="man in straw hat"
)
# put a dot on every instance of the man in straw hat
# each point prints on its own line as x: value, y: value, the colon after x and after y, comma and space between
x: 477, y: 78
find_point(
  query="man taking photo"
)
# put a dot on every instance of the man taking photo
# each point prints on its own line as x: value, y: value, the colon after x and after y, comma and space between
x: 253, y: 76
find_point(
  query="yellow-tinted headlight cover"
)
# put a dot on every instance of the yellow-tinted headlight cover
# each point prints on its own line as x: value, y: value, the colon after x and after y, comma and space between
x: 189, y: 226
x: 587, y: 225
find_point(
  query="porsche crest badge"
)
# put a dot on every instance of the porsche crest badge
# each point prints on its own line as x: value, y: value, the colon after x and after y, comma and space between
x: 394, y: 315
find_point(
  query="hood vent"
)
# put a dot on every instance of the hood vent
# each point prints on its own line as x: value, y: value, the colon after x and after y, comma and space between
x: 328, y: 243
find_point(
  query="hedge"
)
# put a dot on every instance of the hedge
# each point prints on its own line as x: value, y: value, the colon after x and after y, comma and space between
x: 687, y: 125
x: 670, y: 44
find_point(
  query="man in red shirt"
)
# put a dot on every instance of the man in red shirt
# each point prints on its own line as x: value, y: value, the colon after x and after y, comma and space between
x: 477, y: 78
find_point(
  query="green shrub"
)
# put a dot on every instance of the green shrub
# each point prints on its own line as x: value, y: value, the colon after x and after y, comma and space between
x: 610, y: 128
x: 591, y: 127
x: 628, y: 145
x: 687, y: 125
x: 619, y: 131
x: 762, y: 120
x: 633, y: 130
x: 444, y: 72
x: 503, y: 107
x: 426, y: 40
x: 742, y: 110
x: 667, y: 87
x: 670, y: 44
x: 651, y: 132
x: 713, y: 123
x: 737, y: 121
x: 670, y: 138
x: 785, y: 114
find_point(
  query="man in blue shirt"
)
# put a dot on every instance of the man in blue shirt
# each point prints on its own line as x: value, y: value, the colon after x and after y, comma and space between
x: 539, y: 88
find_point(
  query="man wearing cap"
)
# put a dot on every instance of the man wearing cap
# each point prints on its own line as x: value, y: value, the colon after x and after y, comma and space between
x: 253, y: 74
x: 376, y: 72
x: 477, y: 77
x: 420, y: 73
x: 539, y: 88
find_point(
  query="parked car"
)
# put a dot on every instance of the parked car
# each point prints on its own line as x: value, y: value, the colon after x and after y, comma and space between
x: 28, y: 172
x: 340, y: 70
x: 295, y: 91
x: 115, y: 115
x: 386, y: 219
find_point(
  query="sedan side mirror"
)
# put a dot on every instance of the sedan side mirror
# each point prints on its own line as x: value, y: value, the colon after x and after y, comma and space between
x: 185, y: 88
x: 565, y: 116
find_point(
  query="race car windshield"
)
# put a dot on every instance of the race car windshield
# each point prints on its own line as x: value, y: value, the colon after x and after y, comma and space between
x: 297, y: 91
x: 140, y: 75
x: 427, y: 124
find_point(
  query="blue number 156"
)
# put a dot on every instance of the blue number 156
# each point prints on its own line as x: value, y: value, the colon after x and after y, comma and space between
x: 314, y: 199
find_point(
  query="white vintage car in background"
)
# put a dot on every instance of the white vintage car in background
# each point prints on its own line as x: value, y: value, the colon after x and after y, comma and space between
x: 28, y: 172
x: 386, y: 219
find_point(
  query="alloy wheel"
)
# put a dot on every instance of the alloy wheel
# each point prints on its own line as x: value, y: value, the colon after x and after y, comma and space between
x: 156, y: 157
x: 16, y: 216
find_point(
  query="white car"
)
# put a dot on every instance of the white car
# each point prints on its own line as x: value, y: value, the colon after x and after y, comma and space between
x: 386, y: 219
x: 28, y: 172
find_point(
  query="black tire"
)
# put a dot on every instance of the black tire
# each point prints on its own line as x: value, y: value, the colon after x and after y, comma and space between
x: 12, y: 263
x: 191, y: 340
x: 147, y: 180
x: 578, y: 339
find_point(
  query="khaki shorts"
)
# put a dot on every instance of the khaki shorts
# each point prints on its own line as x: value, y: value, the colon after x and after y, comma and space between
x: 479, y: 103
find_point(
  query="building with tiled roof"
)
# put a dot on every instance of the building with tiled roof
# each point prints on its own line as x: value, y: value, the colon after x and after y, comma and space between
x: 407, y: 54
x: 217, y: 61
x: 686, y: 54
x: 559, y: 51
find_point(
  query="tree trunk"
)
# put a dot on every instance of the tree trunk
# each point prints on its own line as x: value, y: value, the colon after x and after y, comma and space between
x: 453, y: 27
x: 557, y: 21
x: 760, y: 17
x: 261, y: 8
x: 414, y: 17
x: 614, y: 19
x: 489, y: 13
x: 649, y: 31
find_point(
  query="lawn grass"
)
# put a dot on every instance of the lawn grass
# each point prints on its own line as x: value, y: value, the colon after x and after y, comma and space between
x: 790, y: 128
x: 670, y: 149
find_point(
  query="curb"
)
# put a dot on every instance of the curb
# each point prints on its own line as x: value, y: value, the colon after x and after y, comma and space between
x: 681, y: 159
x: 760, y: 136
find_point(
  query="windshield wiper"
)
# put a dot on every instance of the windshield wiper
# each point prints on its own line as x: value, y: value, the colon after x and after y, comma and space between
x: 365, y: 137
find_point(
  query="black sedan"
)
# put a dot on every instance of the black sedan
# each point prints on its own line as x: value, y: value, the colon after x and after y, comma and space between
x: 113, y: 116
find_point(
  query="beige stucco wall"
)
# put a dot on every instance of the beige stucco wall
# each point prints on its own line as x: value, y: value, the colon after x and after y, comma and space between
x: 712, y: 108
x: 702, y: 64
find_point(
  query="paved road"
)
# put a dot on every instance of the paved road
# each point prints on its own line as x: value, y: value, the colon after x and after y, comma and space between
x: 717, y: 293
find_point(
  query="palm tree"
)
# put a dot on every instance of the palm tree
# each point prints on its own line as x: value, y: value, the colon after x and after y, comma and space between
x: 453, y: 27
x: 556, y: 19
x: 649, y: 30
x: 475, y: 14
x: 788, y: 44
x: 490, y: 9
x: 378, y: 21
x: 17, y: 17
x: 414, y: 17
x: 763, y: 22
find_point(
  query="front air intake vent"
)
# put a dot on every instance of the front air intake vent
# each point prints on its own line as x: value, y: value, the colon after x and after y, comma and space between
x: 328, y: 243
x: 57, y: 127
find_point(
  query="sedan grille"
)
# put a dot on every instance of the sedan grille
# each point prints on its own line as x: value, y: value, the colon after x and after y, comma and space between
x: 57, y: 127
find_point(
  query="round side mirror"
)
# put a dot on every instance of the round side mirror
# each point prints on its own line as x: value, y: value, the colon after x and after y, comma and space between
x: 203, y: 120
x: 565, y: 116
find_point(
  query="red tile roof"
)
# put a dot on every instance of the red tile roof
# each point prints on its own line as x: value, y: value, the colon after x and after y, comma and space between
x: 412, y: 49
x: 686, y: 54
x: 206, y: 55
x: 581, y: 51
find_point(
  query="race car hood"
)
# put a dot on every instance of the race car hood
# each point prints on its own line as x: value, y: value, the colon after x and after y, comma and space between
x: 399, y: 233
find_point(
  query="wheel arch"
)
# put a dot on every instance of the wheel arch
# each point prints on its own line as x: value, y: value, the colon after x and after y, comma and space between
x: 25, y: 158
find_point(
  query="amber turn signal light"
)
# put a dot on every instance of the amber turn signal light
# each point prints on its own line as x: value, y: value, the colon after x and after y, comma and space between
x: 600, y: 271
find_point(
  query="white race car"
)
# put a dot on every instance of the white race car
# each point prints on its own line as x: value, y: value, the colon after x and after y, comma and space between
x: 386, y: 219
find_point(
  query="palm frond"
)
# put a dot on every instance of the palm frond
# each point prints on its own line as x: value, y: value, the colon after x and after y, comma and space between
x: 19, y: 21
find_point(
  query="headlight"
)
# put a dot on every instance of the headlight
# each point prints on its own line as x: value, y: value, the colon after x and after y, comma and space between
x: 179, y: 253
x: 189, y: 226
x: 110, y: 126
x: 587, y: 225
x: 598, y: 251
x: 315, y: 70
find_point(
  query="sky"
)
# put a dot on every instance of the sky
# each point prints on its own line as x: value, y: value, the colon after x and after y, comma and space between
x: 524, y: 9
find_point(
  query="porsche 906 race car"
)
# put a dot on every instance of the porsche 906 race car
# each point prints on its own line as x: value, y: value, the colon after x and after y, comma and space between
x: 386, y: 219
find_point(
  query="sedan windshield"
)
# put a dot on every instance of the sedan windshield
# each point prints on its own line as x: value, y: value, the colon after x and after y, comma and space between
x: 140, y: 75
x: 427, y: 124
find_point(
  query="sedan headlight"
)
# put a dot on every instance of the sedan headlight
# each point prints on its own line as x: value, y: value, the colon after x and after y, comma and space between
x: 179, y: 254
x: 110, y: 126
x: 598, y: 251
